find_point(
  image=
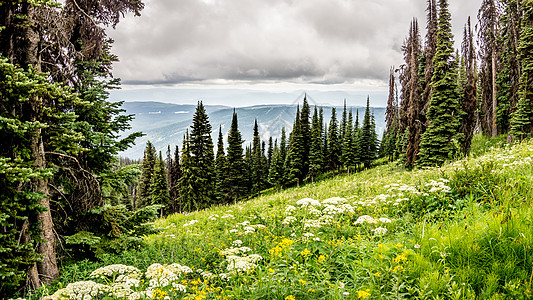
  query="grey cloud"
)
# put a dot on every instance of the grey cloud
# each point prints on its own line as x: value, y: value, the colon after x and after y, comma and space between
x: 290, y: 40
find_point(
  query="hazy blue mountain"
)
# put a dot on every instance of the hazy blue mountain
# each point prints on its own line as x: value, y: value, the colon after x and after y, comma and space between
x: 165, y: 124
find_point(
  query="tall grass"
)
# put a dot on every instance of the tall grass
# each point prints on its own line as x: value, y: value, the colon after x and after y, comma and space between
x: 462, y: 231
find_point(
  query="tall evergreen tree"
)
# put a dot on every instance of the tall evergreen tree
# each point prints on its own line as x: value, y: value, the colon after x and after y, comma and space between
x: 334, y: 151
x: 469, y: 92
x: 294, y: 164
x: 159, y: 186
x: 342, y: 127
x: 437, y: 144
x: 508, y: 78
x: 275, y: 172
x: 236, y: 179
x: 316, y: 156
x: 221, y: 170
x: 348, y: 154
x: 305, y: 128
x: 367, y: 138
x: 489, y: 50
x: 187, y: 200
x: 522, y: 118
x: 202, y: 156
x: 257, y: 168
x: 270, y: 151
x: 144, y: 194
x: 174, y: 174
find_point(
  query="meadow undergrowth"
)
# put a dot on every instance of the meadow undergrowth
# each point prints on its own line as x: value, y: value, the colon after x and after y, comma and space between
x: 463, y: 231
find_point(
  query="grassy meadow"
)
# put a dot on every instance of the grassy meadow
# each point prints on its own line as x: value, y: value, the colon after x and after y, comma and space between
x: 463, y: 231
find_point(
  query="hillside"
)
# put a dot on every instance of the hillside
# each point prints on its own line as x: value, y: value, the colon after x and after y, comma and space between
x: 462, y: 231
x: 165, y: 124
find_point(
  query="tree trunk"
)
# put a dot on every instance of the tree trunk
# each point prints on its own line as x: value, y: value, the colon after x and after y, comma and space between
x: 47, y: 268
x: 494, y: 100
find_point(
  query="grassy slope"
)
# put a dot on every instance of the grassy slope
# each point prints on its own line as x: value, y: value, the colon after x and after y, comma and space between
x: 461, y: 231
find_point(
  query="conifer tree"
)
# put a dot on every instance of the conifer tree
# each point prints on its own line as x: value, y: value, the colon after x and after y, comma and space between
x: 437, y: 144
x: 202, y: 156
x: 257, y: 168
x: 144, y: 197
x: 159, y: 187
x: 488, y: 18
x: 316, y: 156
x: 275, y: 172
x: 356, y: 140
x: 522, y: 118
x: 305, y: 128
x: 334, y: 151
x: 348, y: 154
x: 294, y: 164
x: 221, y: 189
x: 270, y: 152
x: 174, y: 175
x: 367, y: 138
x: 469, y: 91
x: 187, y: 200
x: 342, y: 127
x: 236, y: 178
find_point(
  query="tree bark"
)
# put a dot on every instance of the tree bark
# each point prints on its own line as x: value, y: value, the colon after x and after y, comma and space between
x: 494, y: 100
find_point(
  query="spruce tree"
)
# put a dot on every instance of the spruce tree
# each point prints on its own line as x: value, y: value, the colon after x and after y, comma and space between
x: 174, y: 177
x: 469, y: 92
x: 342, y: 128
x: 144, y: 197
x: 159, y: 186
x: 202, y: 156
x: 270, y: 151
x: 294, y: 164
x: 316, y: 156
x: 334, y: 150
x: 305, y: 128
x: 437, y: 144
x: 221, y: 170
x: 256, y: 164
x: 187, y: 200
x: 236, y: 179
x: 356, y: 141
x: 348, y: 154
x: 275, y: 172
x: 367, y: 138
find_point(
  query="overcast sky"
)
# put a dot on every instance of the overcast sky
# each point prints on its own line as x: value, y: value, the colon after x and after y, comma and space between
x: 272, y: 46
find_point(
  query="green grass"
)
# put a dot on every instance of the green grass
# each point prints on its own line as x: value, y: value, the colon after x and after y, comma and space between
x: 463, y: 231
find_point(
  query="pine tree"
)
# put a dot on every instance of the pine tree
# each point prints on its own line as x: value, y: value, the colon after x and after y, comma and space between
x: 236, y: 180
x: 367, y: 138
x: 187, y: 201
x: 342, y: 127
x: 221, y: 170
x: 356, y: 141
x: 469, y: 91
x: 144, y: 197
x: 334, y: 151
x: 522, y: 118
x: 316, y: 156
x: 275, y: 172
x: 437, y: 144
x: 159, y: 187
x: 306, y: 136
x: 348, y: 154
x: 174, y: 174
x: 488, y: 17
x: 294, y: 164
x: 270, y: 152
x: 257, y: 168
x: 202, y: 156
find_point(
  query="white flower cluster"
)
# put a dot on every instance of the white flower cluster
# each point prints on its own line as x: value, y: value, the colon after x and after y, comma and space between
x: 234, y: 251
x: 306, y: 202
x: 81, y: 290
x: 439, y: 186
x: 242, y: 263
x: 289, y: 220
x: 370, y: 220
x: 114, y: 270
x: 192, y: 222
x: 123, y: 288
x: 380, y: 231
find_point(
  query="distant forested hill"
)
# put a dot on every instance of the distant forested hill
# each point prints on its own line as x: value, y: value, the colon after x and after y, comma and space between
x: 165, y: 124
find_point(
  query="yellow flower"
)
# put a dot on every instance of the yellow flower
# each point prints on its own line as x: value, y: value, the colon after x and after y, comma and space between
x: 270, y: 270
x: 305, y: 253
x: 400, y: 258
x: 302, y: 281
x: 321, y: 258
x: 362, y: 294
x: 290, y: 297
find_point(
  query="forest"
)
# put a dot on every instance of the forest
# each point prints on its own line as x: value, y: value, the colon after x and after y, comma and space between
x: 68, y: 203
